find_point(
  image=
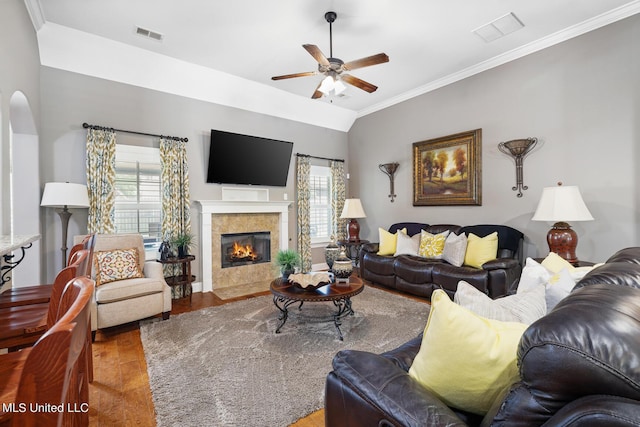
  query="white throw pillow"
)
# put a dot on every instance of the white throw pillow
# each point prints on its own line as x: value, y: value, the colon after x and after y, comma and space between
x: 525, y: 307
x: 454, y: 249
x: 558, y: 287
x: 406, y: 245
x: 533, y: 275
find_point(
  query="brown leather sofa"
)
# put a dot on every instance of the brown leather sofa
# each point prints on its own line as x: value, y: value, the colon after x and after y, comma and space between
x: 421, y: 276
x: 578, y: 366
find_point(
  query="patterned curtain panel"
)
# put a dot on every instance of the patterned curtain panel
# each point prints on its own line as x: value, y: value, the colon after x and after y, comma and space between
x: 101, y: 177
x: 303, y: 193
x: 174, y: 179
x: 337, y: 199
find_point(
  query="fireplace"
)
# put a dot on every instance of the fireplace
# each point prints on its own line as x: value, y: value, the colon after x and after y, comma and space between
x: 237, y: 249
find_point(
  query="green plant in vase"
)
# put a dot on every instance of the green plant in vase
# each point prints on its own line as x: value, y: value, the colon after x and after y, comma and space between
x: 183, y: 242
x: 287, y: 260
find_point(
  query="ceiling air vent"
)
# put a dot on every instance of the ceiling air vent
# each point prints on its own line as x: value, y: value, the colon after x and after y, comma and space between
x: 149, y: 34
x: 499, y: 27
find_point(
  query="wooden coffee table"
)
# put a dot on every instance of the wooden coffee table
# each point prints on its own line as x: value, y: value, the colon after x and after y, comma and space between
x: 286, y: 293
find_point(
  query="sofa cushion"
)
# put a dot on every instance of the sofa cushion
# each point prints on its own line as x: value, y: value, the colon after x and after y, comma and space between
x: 465, y: 359
x: 525, y: 307
x: 388, y: 241
x: 554, y: 263
x: 116, y: 264
x: 407, y: 245
x: 432, y: 245
x: 455, y: 247
x: 481, y: 249
x: 127, y: 289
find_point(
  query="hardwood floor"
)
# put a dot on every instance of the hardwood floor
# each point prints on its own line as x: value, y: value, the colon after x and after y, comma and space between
x: 120, y: 393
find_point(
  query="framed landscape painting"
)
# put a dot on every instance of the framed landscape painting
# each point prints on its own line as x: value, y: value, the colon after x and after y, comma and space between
x: 448, y: 170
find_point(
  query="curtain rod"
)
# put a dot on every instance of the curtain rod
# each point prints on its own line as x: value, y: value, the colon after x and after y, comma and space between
x: 175, y: 138
x: 321, y: 158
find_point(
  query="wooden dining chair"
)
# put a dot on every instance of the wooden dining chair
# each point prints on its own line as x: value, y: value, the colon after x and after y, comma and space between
x: 40, y: 294
x: 22, y: 325
x: 52, y: 372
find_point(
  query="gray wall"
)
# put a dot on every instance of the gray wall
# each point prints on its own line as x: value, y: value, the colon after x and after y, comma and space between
x: 581, y: 99
x: 69, y: 99
x: 19, y: 82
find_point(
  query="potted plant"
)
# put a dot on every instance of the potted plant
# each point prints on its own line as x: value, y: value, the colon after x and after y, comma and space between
x: 183, y: 241
x: 287, y: 260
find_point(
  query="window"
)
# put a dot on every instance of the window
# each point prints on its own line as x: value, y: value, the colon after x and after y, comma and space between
x: 320, y: 201
x: 138, y: 206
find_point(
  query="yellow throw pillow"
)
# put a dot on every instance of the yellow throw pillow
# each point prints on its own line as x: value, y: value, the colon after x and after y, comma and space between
x: 388, y: 241
x: 432, y: 245
x: 116, y: 264
x: 481, y: 249
x: 464, y: 359
x: 555, y: 263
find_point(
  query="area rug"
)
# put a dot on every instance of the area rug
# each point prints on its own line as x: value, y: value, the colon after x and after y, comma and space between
x: 225, y: 365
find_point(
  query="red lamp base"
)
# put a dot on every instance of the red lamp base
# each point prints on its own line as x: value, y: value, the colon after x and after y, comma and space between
x: 563, y: 241
x: 353, y: 230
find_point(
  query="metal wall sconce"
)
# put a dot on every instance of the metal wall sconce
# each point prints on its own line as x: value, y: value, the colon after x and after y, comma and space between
x: 518, y: 149
x: 389, y: 169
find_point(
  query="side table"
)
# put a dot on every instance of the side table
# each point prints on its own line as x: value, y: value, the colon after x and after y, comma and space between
x: 353, y: 249
x: 185, y: 279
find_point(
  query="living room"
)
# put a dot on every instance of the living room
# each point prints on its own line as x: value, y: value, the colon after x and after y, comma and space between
x: 579, y: 98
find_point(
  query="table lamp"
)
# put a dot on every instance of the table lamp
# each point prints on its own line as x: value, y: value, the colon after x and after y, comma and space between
x: 562, y: 204
x: 64, y: 195
x: 352, y: 210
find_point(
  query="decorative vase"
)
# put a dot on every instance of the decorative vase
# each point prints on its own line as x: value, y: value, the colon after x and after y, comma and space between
x: 342, y: 267
x: 183, y: 251
x: 287, y: 273
x: 331, y: 252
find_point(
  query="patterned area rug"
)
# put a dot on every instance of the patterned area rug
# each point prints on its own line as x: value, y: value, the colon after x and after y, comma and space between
x: 225, y: 366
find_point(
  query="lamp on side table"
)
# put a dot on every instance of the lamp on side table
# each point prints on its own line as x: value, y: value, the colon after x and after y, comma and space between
x: 352, y: 210
x: 561, y: 204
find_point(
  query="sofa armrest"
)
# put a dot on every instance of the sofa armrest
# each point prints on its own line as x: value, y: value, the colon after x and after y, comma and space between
x: 382, y: 384
x: 500, y: 263
x: 612, y: 411
x: 370, y: 247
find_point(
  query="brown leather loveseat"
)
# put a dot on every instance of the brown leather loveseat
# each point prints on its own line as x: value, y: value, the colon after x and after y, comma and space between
x: 421, y: 276
x: 578, y: 366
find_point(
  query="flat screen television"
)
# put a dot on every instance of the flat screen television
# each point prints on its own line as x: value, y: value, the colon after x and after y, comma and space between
x: 249, y: 160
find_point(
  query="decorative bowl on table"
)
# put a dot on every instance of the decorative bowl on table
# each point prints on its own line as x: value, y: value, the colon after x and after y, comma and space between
x: 310, y: 281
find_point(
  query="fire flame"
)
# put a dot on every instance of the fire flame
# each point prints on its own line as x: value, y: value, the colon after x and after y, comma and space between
x: 243, y: 252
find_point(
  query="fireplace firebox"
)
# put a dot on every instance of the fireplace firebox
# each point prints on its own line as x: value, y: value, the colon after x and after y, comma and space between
x: 239, y: 249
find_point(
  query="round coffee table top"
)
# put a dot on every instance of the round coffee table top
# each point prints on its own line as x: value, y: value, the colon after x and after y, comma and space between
x: 330, y: 292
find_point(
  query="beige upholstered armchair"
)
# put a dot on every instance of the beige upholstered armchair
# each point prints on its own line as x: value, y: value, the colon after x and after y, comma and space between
x: 125, y: 294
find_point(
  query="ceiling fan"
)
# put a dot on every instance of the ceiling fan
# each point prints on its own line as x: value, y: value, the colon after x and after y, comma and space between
x: 334, y: 68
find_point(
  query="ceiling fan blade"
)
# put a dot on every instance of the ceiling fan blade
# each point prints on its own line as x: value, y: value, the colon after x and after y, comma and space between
x: 366, y: 62
x: 359, y: 83
x: 291, y: 76
x: 317, y: 54
x: 317, y: 94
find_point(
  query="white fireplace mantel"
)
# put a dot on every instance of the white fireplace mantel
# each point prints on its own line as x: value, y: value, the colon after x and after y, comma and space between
x: 210, y: 207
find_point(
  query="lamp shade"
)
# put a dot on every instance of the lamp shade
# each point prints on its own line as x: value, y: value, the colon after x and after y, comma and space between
x: 352, y: 209
x: 60, y: 194
x: 562, y: 203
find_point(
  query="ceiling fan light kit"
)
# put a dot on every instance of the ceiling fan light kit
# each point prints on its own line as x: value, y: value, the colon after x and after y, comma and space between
x: 334, y: 68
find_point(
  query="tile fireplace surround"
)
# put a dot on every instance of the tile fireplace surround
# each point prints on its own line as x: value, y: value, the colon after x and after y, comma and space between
x: 234, y: 216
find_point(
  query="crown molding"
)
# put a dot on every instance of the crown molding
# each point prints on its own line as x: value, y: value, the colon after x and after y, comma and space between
x: 594, y: 23
x: 35, y: 13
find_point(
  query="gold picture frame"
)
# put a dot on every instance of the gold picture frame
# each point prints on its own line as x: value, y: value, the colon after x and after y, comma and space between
x: 459, y: 181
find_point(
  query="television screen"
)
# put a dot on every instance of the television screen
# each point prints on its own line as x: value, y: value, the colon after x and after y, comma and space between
x: 244, y: 159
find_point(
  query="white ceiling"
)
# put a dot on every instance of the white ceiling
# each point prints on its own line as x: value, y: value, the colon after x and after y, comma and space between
x: 430, y: 44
